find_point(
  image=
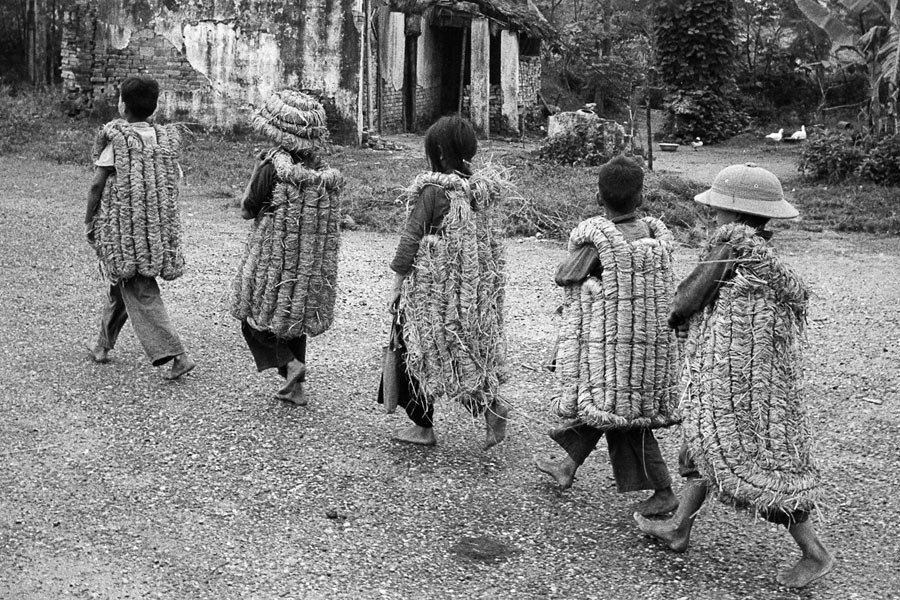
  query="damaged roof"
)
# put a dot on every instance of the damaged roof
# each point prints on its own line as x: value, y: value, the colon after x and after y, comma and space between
x: 521, y: 15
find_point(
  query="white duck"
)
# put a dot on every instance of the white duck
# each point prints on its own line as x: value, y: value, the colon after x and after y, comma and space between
x: 799, y: 135
x: 697, y: 144
x: 776, y: 137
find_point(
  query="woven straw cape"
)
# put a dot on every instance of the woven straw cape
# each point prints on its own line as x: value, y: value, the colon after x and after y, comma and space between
x: 138, y: 228
x: 617, y: 356
x: 452, y: 301
x: 744, y: 416
x: 293, y: 120
x: 287, y: 280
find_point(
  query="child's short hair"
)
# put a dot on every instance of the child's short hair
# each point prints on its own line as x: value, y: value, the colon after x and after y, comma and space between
x: 620, y: 182
x: 139, y: 94
x: 452, y: 139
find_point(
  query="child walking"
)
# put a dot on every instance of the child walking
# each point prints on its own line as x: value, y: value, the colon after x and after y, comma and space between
x: 132, y: 222
x: 448, y: 287
x: 285, y: 287
x: 615, y: 357
x: 746, y: 435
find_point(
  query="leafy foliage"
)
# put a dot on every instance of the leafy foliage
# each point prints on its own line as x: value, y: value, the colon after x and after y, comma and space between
x: 882, y: 163
x: 695, y: 43
x: 831, y: 157
x: 587, y: 143
x: 703, y: 114
x: 695, y: 54
x: 834, y: 157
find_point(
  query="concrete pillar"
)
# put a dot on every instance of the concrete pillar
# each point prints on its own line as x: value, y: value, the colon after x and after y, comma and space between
x: 480, y: 85
x: 509, y: 79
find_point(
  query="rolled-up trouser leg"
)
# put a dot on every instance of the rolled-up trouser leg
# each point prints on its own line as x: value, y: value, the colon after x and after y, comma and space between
x: 637, y: 463
x: 577, y: 439
x: 113, y: 319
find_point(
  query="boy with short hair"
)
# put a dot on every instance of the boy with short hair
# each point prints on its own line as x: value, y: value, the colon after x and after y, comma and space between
x: 746, y: 435
x: 597, y: 248
x: 132, y: 223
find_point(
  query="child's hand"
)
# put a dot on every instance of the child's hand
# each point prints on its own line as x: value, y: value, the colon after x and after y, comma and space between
x: 393, y: 301
x: 681, y: 330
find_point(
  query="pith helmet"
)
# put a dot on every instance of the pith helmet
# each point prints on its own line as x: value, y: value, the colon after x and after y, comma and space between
x: 748, y: 189
x: 291, y: 119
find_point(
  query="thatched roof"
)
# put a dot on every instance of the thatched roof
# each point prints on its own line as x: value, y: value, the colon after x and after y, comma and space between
x: 521, y: 15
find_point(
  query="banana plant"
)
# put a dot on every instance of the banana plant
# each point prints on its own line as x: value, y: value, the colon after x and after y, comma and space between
x: 879, y: 44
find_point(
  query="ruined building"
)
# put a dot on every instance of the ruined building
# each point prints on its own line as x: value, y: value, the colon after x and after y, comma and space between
x: 390, y: 65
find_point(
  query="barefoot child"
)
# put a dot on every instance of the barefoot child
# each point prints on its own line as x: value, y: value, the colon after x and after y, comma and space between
x: 448, y: 287
x: 285, y: 286
x: 624, y: 314
x: 133, y: 224
x: 745, y: 427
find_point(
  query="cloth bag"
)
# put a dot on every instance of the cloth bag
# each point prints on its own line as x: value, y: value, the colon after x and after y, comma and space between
x: 391, y: 365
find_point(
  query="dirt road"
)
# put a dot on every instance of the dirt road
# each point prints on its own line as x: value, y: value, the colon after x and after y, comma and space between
x: 116, y: 484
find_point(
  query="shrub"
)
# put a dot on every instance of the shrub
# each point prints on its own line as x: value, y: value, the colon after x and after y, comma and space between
x: 831, y: 157
x: 882, y: 162
x: 703, y: 114
x: 588, y: 143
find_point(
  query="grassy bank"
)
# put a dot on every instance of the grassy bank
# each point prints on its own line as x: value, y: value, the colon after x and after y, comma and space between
x: 550, y: 199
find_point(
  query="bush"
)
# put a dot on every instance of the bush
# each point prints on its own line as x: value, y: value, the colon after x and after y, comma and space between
x: 587, y: 144
x: 882, y: 163
x: 834, y: 157
x: 701, y: 113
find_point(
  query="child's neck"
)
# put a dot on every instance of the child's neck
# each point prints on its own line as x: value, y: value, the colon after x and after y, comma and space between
x: 612, y: 213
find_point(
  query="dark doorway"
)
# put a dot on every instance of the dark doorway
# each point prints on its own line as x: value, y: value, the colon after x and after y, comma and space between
x: 409, y: 82
x: 453, y: 46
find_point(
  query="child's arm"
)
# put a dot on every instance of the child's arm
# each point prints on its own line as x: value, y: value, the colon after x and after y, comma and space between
x: 578, y: 266
x: 93, y: 201
x: 259, y: 190
x: 700, y: 289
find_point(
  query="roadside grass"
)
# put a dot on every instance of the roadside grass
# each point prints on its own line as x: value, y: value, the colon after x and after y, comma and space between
x: 550, y: 199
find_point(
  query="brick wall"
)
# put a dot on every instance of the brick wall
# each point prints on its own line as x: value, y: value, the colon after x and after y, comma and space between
x: 391, y: 109
x: 213, y: 61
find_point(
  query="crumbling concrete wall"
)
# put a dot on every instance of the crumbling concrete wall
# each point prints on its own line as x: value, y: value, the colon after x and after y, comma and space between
x: 215, y: 58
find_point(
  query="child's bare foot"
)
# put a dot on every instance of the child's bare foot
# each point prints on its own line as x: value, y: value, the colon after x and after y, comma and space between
x: 181, y: 365
x: 496, y: 417
x: 563, y: 472
x: 807, y: 570
x: 669, y: 532
x: 293, y: 390
x: 98, y: 353
x: 661, y: 502
x: 414, y: 434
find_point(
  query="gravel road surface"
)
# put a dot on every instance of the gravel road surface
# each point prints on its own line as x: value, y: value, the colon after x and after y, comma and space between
x: 117, y: 484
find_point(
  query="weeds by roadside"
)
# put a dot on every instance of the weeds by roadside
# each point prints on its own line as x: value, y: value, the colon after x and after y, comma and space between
x: 552, y: 198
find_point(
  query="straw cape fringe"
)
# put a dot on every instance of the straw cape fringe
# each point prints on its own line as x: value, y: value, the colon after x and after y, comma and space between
x: 744, y: 416
x: 616, y: 361
x: 287, y: 280
x: 453, y: 299
x: 138, y: 227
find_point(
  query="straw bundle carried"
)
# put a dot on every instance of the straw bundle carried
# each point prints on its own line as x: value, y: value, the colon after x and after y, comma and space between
x: 287, y: 279
x: 617, y: 356
x: 137, y: 228
x: 744, y: 416
x: 453, y: 298
x: 291, y: 119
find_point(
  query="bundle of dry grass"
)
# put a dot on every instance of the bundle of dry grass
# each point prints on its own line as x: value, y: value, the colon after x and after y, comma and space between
x: 453, y: 298
x: 287, y: 280
x: 617, y: 356
x: 138, y: 228
x: 743, y: 410
x: 291, y: 119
